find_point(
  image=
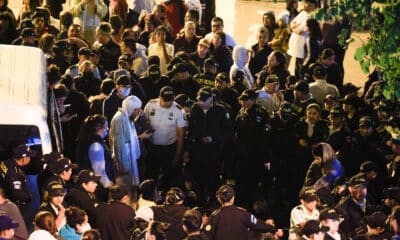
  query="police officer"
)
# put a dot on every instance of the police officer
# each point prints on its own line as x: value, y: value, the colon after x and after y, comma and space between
x: 166, y: 143
x: 209, y: 126
x: 207, y: 78
x: 251, y: 132
x: 153, y: 81
x: 231, y: 222
x: 82, y: 195
x: 228, y: 95
x: 12, y: 175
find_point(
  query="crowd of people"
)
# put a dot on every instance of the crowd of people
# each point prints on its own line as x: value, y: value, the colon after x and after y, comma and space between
x: 163, y: 128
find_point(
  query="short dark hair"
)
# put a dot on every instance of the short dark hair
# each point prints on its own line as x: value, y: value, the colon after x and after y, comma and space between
x: 217, y: 19
x: 130, y: 43
x: 118, y: 192
x: 319, y: 72
x: 75, y: 216
x: 66, y: 18
x: 53, y: 74
x: 116, y: 23
x: 194, y: 14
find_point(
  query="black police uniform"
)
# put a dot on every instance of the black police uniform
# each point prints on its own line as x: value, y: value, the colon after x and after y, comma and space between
x: 171, y: 214
x: 204, y: 156
x: 251, y: 126
x: 87, y: 201
x: 205, y: 79
x: 189, y: 87
x: 109, y: 54
x: 353, y: 216
x: 13, y: 180
x: 152, y: 88
x: 231, y: 222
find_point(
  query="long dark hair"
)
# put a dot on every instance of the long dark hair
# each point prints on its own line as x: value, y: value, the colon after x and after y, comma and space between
x: 314, y: 29
x: 92, y: 124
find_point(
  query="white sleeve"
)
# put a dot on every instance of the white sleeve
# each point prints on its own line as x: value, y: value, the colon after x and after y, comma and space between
x: 96, y: 157
x: 180, y: 120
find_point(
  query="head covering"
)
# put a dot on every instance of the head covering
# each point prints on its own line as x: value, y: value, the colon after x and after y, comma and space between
x: 312, y: 227
x: 130, y: 103
x: 86, y: 176
x: 368, y: 166
x: 167, y: 93
x: 153, y: 71
x: 366, y: 121
x: 55, y: 189
x: 377, y: 219
x: 272, y: 79
x: 248, y: 94
x: 7, y: 223
x: 63, y: 164
x: 27, y: 32
x: 221, y: 77
x: 284, y: 15
x: 21, y: 151
x: 329, y: 213
x: 308, y: 194
x: 358, y: 180
x: 184, y: 101
x: 210, y: 62
x: 85, y: 51
x: 204, y: 94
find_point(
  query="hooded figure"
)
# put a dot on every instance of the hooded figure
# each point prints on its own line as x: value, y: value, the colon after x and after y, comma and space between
x: 124, y: 140
x: 240, y: 57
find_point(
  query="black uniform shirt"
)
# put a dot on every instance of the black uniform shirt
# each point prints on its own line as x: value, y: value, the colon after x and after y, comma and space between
x: 13, y: 180
x: 231, y: 222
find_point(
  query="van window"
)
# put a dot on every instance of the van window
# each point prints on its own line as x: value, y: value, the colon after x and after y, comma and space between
x: 20, y: 134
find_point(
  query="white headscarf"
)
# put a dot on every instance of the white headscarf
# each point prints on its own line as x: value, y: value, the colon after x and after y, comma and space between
x: 128, y: 106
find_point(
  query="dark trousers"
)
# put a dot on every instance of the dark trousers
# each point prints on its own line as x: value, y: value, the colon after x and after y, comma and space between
x: 159, y: 164
x: 204, y: 169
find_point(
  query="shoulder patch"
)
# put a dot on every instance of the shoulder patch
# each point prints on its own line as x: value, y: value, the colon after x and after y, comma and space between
x: 178, y: 106
x: 208, y: 228
x: 154, y: 100
x: 3, y: 168
x: 253, y: 219
x: 17, y: 185
x: 241, y: 209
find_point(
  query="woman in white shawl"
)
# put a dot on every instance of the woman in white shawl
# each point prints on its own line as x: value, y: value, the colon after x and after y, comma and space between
x: 240, y: 57
x: 124, y: 140
x: 90, y: 13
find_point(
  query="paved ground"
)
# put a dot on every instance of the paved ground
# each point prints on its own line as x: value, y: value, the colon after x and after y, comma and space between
x: 241, y: 18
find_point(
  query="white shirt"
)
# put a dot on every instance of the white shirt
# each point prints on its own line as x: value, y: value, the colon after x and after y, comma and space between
x: 41, y: 235
x: 156, y: 50
x: 270, y: 102
x: 164, y: 121
x: 320, y: 88
x: 298, y: 215
x: 297, y: 41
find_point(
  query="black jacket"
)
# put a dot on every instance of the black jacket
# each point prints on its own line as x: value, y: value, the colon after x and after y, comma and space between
x: 78, y: 197
x: 232, y: 222
x: 114, y: 220
x: 171, y: 214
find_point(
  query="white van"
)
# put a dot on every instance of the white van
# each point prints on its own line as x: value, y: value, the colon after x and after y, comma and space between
x: 23, y: 98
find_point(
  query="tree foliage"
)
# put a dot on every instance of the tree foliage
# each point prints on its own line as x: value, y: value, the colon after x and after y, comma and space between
x: 382, y: 50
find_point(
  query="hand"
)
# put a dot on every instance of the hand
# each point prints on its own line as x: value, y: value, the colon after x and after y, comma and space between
x: 303, y: 142
x: 207, y: 139
x: 67, y: 117
x: 145, y: 135
x: 279, y: 233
